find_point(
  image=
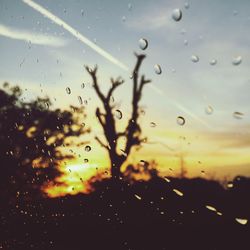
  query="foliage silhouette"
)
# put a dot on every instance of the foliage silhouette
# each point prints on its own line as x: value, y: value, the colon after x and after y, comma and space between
x: 132, y: 133
x: 31, y: 135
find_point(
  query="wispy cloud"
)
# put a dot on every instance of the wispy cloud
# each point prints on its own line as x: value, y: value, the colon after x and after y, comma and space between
x: 152, y: 20
x: 75, y: 33
x: 34, y: 38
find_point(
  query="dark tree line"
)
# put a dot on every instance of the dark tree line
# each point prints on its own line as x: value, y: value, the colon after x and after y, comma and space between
x: 31, y: 135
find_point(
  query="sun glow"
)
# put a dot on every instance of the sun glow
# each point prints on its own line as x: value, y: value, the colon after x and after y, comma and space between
x: 74, y: 179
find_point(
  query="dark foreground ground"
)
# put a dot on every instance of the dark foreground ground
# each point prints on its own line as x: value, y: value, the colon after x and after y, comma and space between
x: 146, y: 215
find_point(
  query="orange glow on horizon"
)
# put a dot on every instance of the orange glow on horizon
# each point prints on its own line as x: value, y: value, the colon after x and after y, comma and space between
x: 74, y: 179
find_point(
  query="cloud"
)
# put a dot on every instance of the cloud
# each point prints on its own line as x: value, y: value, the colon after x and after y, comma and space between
x: 34, y: 38
x: 152, y: 20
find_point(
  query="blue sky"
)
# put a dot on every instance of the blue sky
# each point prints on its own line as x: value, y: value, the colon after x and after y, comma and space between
x: 209, y: 29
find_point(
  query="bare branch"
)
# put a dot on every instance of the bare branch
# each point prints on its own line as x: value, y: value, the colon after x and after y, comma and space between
x: 101, y: 143
x: 142, y: 83
x: 132, y: 133
x: 115, y: 83
x: 133, y: 126
x: 92, y: 73
x: 99, y: 116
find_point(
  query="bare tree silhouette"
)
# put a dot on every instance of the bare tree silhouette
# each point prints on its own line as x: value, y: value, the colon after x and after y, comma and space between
x: 132, y: 132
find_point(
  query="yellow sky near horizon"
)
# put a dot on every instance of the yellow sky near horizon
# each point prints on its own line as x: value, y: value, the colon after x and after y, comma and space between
x: 207, y: 154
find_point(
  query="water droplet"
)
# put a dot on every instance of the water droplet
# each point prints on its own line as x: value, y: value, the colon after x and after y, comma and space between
x: 213, y: 62
x: 185, y: 42
x: 209, y: 110
x: 211, y: 208
x: 195, y: 58
x: 157, y: 69
x: 123, y: 18
x: 238, y: 115
x: 118, y: 114
x: 138, y: 197
x: 46, y: 105
x: 237, y: 60
x: 180, y: 120
x: 152, y: 124
x: 186, y: 5
x: 178, y: 192
x: 80, y: 100
x: 86, y: 160
x: 143, y: 43
x: 142, y: 112
x: 166, y: 179
x: 83, y: 86
x: 129, y: 6
x: 241, y: 221
x: 87, y: 148
x: 82, y: 12
x: 235, y: 12
x: 177, y: 15
x: 68, y: 90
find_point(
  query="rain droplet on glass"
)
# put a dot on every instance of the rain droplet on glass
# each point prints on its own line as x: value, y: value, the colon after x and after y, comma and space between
x: 143, y: 43
x: 157, y: 69
x: 80, y: 100
x: 186, y: 5
x: 124, y: 19
x: 185, y: 42
x: 241, y: 221
x: 178, y: 192
x: 118, y: 114
x: 237, y: 60
x: 209, y: 110
x: 180, y: 120
x: 87, y: 148
x: 152, y: 124
x: 83, y: 85
x: 213, y: 62
x: 195, y: 58
x: 129, y: 6
x: 238, y: 115
x: 68, y: 90
x: 177, y: 15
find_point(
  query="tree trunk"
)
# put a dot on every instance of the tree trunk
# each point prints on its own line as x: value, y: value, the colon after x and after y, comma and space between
x: 116, y: 164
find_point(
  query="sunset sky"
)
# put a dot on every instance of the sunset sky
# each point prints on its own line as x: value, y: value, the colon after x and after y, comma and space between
x: 38, y: 54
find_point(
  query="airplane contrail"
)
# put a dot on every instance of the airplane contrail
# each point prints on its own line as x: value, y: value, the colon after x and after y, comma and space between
x: 102, y: 52
x: 75, y: 33
x: 179, y: 106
